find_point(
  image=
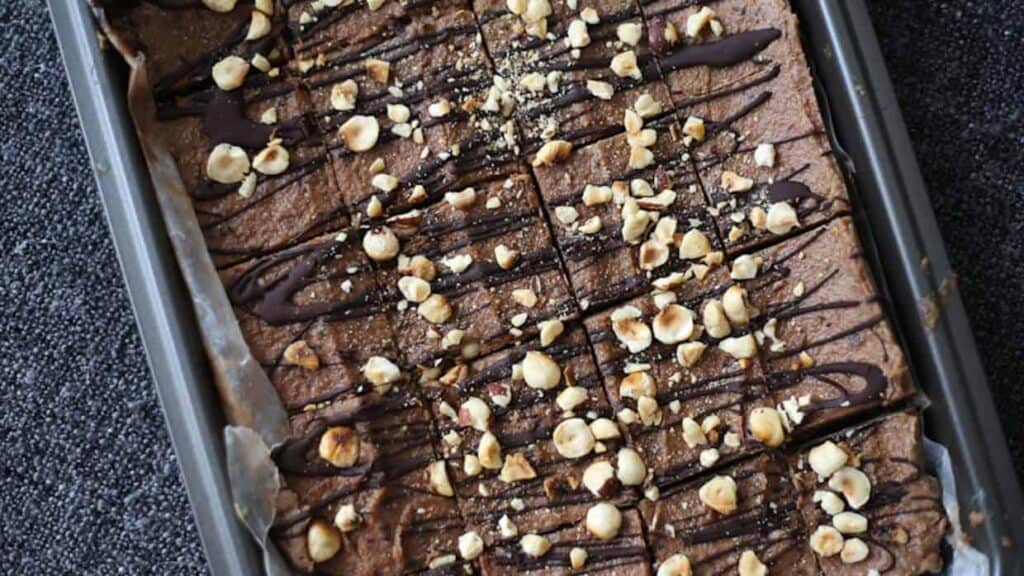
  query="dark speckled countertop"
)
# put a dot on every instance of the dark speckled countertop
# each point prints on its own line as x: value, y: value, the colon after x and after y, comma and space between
x: 89, y: 482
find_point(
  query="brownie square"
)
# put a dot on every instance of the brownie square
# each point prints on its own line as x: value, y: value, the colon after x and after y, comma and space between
x: 902, y: 503
x: 828, y: 350
x: 763, y: 519
x: 764, y: 159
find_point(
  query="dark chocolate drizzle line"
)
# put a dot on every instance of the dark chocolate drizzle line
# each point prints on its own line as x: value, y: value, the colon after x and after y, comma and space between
x: 729, y: 51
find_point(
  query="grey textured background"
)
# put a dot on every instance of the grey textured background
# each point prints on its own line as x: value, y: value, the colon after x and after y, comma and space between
x: 88, y: 480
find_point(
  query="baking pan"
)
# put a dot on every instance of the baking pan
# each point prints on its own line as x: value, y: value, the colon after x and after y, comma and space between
x: 894, y: 217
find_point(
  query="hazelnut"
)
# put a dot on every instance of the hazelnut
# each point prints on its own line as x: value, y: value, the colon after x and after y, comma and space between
x: 744, y: 268
x: 299, y: 353
x: 598, y: 89
x: 248, y: 187
x: 440, y: 109
x: 765, y: 425
x: 381, y: 244
x: 272, y: 160
x: 653, y: 254
x: 633, y: 333
x: 781, y: 218
x: 694, y: 245
x: 733, y: 182
x: 739, y: 347
x: 360, y: 133
x: 854, y: 550
x: 573, y: 438
x: 596, y: 195
x: 673, y: 324
x: 534, y: 546
x: 629, y: 33
x: 764, y: 155
x: 590, y: 16
x: 230, y: 73
x: 457, y: 263
x: 489, y: 452
x: 715, y: 322
x: 826, y: 541
x: 719, y: 494
x: 435, y: 309
x: 552, y: 152
x: 689, y: 353
x: 418, y: 266
x: 693, y: 434
x: 517, y: 468
x: 471, y: 546
x: 398, y: 113
x: 438, y: 476
x: 734, y: 304
x: 830, y: 503
x: 571, y: 397
x: 591, y: 226
x: 708, y: 457
x: 475, y: 413
x: 647, y: 408
x: 463, y: 200
x: 343, y: 95
x: 578, y: 36
x: 222, y: 6
x: 322, y: 541
x: 675, y: 565
x: 259, y: 26
x: 604, y: 521
x: 380, y: 371
x: 540, y: 371
x: 825, y: 459
x: 506, y: 527
x: 505, y: 256
x: 634, y: 225
x: 625, y: 65
x: 640, y: 158
x: 378, y: 70
x: 414, y: 289
x: 694, y: 128
x: 384, y: 182
x: 339, y: 445
x: 631, y: 467
x: 265, y: 6
x: 696, y: 22
x: 471, y: 465
x: 227, y: 164
x: 550, y: 330
x: 605, y: 429
x: 636, y: 385
x: 517, y: 7
x: 347, y: 519
x: 599, y: 478
x: 751, y: 565
x: 566, y: 214
x: 853, y: 484
x: 577, y: 558
x: 850, y: 523
x: 633, y: 124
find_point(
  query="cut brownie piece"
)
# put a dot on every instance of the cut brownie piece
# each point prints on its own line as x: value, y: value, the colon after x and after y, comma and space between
x: 683, y: 398
x: 828, y: 350
x: 743, y: 514
x: 620, y: 220
x: 570, y: 69
x: 477, y: 272
x: 532, y: 448
x: 313, y: 316
x: 364, y: 493
x: 743, y: 86
x: 869, y: 503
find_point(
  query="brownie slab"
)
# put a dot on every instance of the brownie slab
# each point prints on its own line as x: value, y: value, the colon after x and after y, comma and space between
x: 761, y: 149
x: 715, y: 520
x: 872, y: 474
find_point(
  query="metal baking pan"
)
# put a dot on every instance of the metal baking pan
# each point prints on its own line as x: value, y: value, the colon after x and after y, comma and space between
x: 894, y: 218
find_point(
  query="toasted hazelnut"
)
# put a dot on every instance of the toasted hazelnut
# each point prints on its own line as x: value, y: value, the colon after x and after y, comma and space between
x: 733, y: 182
x: 540, y: 371
x: 590, y: 16
x: 634, y: 225
x: 414, y: 289
x: 573, y: 438
x: 653, y: 254
x: 640, y: 157
x: 696, y: 22
x: 506, y: 527
x: 605, y: 429
x: 744, y: 268
x: 675, y: 565
x: 550, y: 330
x: 475, y: 413
x: 577, y: 557
x: 222, y: 6
x: 633, y: 333
x: 648, y: 410
x: 517, y: 7
x: 322, y: 541
x: 381, y: 244
x: 694, y: 128
x: 347, y: 519
x: 463, y: 199
x: 227, y: 164
x: 850, y: 523
x: 739, y: 347
x: 693, y: 434
x: 537, y: 10
x: 596, y: 195
x: 384, y: 182
x: 577, y: 35
x: 631, y: 467
x: 505, y: 256
x: 534, y: 546
x: 259, y: 26
x: 633, y: 123
x: 418, y: 266
x: 471, y: 545
x: 592, y: 225
x: 625, y: 65
x: 764, y: 155
x: 299, y: 353
x: 694, y: 245
x: 440, y: 109
x: 636, y: 385
x: 248, y: 186
x: 765, y: 426
x: 398, y: 113
x: 673, y: 324
x: 272, y: 160
x: 826, y: 458
x: 230, y: 73
x: 360, y: 133
x: 435, y: 309
x: 708, y: 457
x: 340, y: 446
x: 604, y: 521
x: 719, y: 494
x: 525, y: 297
x: 714, y: 318
x: 599, y: 479
x: 566, y: 214
x: 471, y: 465
x: 552, y: 152
x: 854, y: 550
x: 781, y: 218
x: 489, y: 452
x: 380, y: 371
x: 378, y: 70
x: 826, y: 541
x: 689, y: 353
x: 571, y: 397
x: 829, y: 502
x: 853, y: 484
x: 629, y: 33
x: 375, y: 208
x: 517, y: 468
x: 751, y: 565
x: 600, y: 90
x: 734, y: 303
x: 438, y: 477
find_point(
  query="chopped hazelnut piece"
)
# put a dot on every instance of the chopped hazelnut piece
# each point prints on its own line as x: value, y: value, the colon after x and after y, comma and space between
x: 640, y: 157
x: 599, y: 479
x: 673, y: 324
x: 540, y: 371
x: 259, y: 26
x: 222, y: 6
x: 600, y: 90
x: 340, y: 446
x: 826, y: 541
x: 853, y: 484
x: 378, y: 70
x: 550, y: 330
x: 689, y: 353
x: 322, y: 540
x: 489, y: 452
x: 693, y: 434
x: 435, y: 309
x: 734, y: 303
x: 694, y: 245
x: 347, y: 519
x: 646, y: 106
x: 719, y: 494
x: 714, y: 318
x: 475, y: 413
x: 438, y: 476
x: 629, y: 33
x: 694, y: 128
x: 571, y: 397
x: 631, y: 468
x: 535, y: 546
x: 625, y: 65
x: 733, y: 182
x: 675, y: 565
x: 360, y: 133
x: 505, y: 256
x: 592, y: 225
x: 414, y: 289
x: 751, y: 565
x: 744, y: 268
x: 248, y: 187
x: 697, y: 21
x: 765, y: 425
x: 578, y: 36
x: 764, y: 155
x: 854, y: 550
x: 471, y: 546
x: 299, y: 353
x: 552, y: 152
x: 566, y: 214
x: 398, y: 113
x: 525, y: 297
x: 230, y: 73
x: 440, y: 109
x: 516, y: 469
x: 463, y: 199
x: 517, y: 7
x: 227, y: 164
x: 381, y: 244
x: 850, y: 523
x: 380, y: 371
x: 573, y: 438
x: 604, y: 521
x: 272, y: 160
x: 827, y: 458
x: 577, y: 558
x: 636, y: 385
x: 781, y: 218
